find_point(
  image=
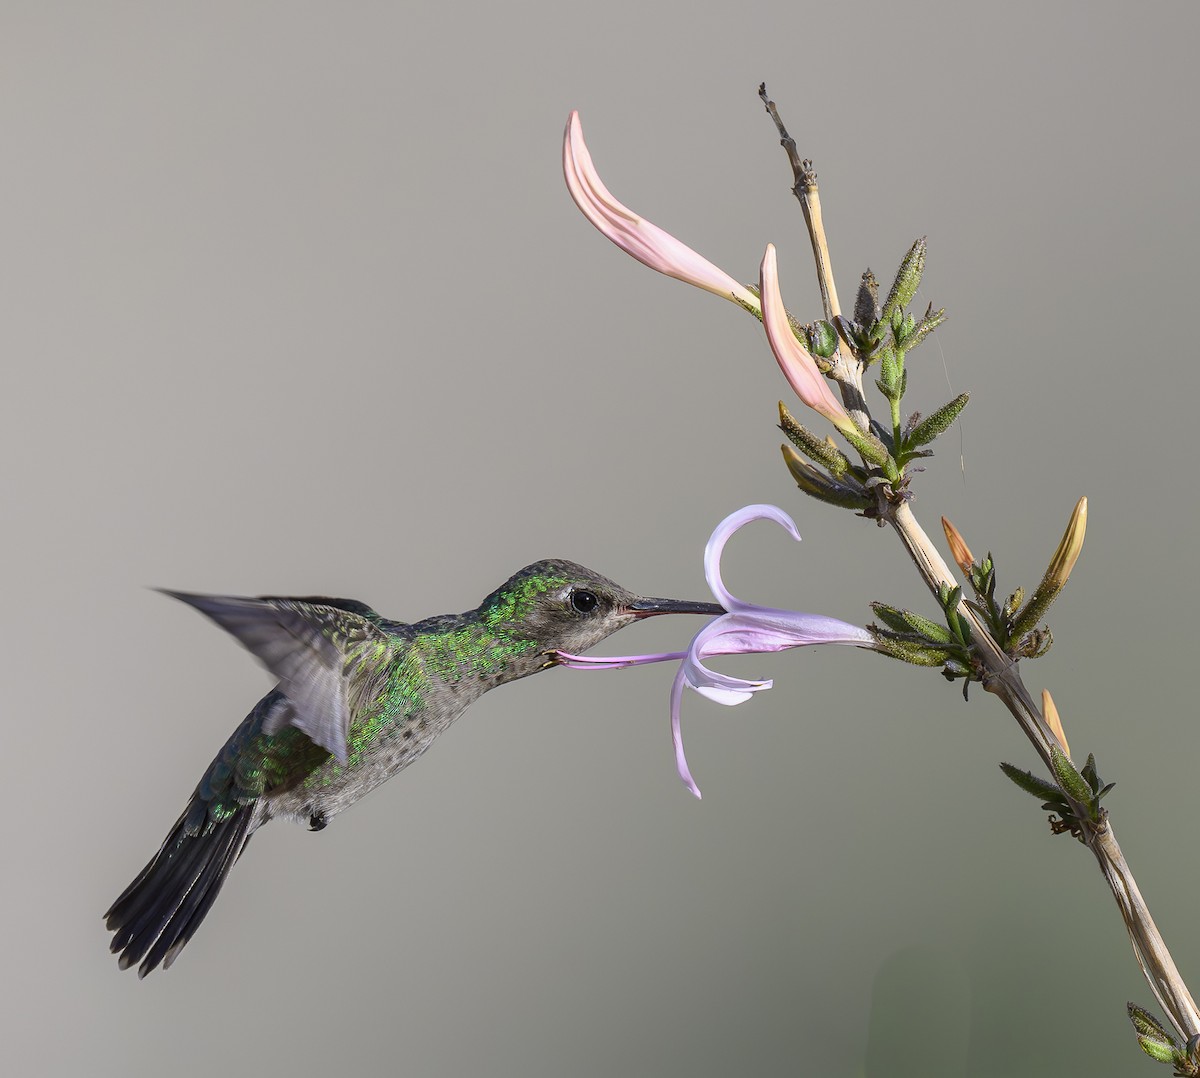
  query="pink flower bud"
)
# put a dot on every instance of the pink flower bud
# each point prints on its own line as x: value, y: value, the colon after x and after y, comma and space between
x: 794, y: 360
x: 648, y: 243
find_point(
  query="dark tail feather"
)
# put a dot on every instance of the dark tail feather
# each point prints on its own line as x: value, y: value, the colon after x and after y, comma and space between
x: 160, y: 911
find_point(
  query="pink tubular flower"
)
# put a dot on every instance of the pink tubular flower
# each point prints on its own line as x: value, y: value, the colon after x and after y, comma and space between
x: 648, y: 243
x: 745, y: 628
x: 794, y: 359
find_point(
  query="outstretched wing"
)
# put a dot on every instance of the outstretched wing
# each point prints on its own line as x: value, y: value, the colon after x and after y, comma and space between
x: 306, y: 646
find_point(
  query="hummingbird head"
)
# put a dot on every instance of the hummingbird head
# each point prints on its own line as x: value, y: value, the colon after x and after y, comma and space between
x: 567, y: 607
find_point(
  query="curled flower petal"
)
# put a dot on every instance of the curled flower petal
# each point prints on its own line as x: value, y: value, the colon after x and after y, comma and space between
x: 794, y: 359
x: 744, y: 629
x: 648, y: 243
x: 720, y: 536
x: 681, y: 764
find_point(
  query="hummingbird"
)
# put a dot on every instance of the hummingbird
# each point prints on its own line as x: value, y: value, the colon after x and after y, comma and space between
x: 359, y: 698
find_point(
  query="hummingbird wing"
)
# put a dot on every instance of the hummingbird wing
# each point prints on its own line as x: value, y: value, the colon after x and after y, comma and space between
x: 351, y: 605
x: 307, y: 647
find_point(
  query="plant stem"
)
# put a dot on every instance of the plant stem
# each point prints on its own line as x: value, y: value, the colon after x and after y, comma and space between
x: 1001, y: 676
x: 847, y: 370
x: 1004, y: 680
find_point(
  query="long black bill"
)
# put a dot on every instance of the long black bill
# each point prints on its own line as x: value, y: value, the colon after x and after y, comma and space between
x: 648, y: 608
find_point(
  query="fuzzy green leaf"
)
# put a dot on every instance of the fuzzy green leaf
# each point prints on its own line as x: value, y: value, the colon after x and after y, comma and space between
x: 873, y: 451
x: 949, y: 596
x: 889, y: 374
x: 1031, y: 784
x: 823, y: 451
x: 908, y: 279
x: 1145, y: 1023
x: 911, y: 652
x: 891, y: 616
x: 817, y: 484
x: 937, y: 423
x: 1156, y: 1049
x: 926, y: 326
x: 911, y: 622
x: 1069, y: 779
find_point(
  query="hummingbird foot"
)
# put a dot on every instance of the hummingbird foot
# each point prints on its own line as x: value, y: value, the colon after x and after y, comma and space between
x: 317, y: 822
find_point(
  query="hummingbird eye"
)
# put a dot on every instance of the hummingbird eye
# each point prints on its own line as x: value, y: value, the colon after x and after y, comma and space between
x: 583, y: 601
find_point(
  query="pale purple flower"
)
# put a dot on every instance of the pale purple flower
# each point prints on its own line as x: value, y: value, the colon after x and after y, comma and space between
x: 745, y: 628
x: 648, y: 243
x: 794, y: 359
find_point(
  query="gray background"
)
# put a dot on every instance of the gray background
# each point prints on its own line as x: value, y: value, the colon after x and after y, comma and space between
x: 293, y: 300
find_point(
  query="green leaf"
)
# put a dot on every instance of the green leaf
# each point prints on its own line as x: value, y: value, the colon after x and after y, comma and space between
x: 891, y: 616
x: 823, y: 451
x: 816, y: 484
x: 889, y: 374
x: 908, y: 279
x: 1088, y: 771
x: 912, y: 652
x: 949, y: 596
x: 931, y: 630
x: 1156, y: 1049
x: 937, y: 423
x: 1145, y: 1023
x: 1069, y: 779
x: 872, y: 450
x: 1031, y: 784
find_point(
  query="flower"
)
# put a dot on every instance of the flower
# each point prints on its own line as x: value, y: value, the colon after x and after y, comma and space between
x: 744, y: 629
x: 794, y: 359
x: 661, y: 251
x: 648, y: 243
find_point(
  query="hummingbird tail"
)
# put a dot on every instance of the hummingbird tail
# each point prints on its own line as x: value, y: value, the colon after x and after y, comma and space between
x: 161, y: 909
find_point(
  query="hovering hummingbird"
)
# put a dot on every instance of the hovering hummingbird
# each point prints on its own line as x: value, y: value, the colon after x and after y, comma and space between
x: 359, y: 698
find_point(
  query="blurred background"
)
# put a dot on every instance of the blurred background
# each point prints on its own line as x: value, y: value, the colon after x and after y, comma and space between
x: 294, y: 301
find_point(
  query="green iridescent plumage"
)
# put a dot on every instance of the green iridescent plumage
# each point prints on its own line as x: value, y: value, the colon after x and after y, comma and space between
x: 360, y: 697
